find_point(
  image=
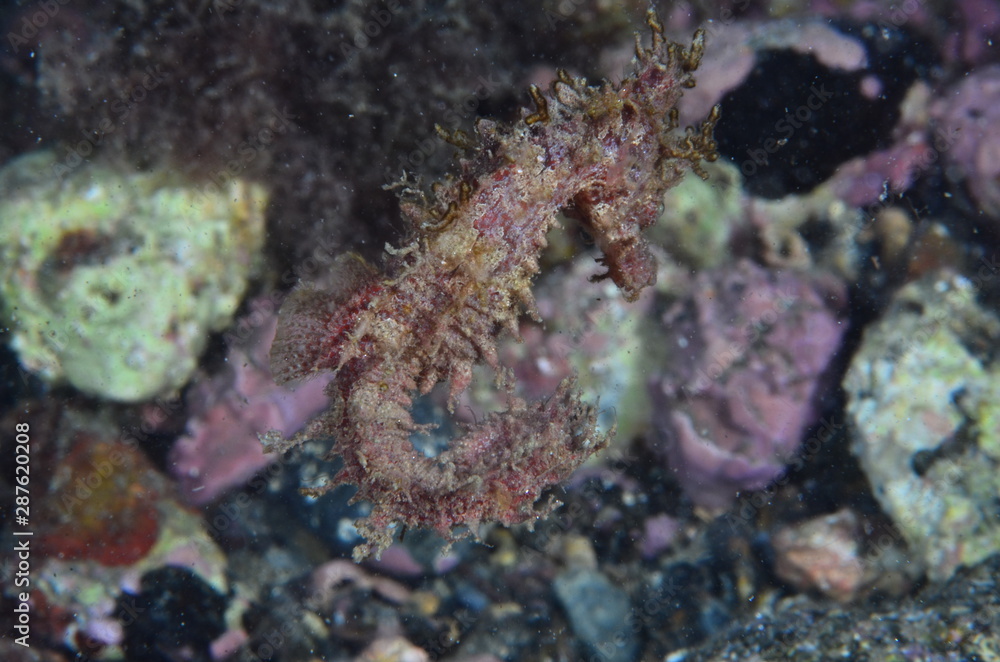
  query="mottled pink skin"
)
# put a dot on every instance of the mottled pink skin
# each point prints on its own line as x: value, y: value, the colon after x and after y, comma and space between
x: 732, y: 407
x: 969, y: 116
x: 221, y: 449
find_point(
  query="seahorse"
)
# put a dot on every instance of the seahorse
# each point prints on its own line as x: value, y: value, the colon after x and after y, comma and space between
x: 603, y: 155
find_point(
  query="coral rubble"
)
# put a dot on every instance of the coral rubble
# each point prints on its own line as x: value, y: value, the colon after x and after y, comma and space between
x: 113, y: 281
x: 605, y: 156
x: 753, y: 346
x: 968, y: 115
x: 922, y: 395
x: 105, y: 518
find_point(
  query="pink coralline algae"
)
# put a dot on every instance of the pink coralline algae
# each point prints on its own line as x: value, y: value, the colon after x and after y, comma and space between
x: 974, y: 41
x: 971, y: 113
x: 221, y: 449
x: 747, y: 351
x: 604, y: 156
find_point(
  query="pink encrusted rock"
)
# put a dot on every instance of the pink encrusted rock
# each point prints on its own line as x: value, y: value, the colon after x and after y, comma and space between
x: 659, y: 534
x: 732, y: 48
x: 746, y: 354
x: 822, y: 554
x: 328, y: 579
x: 974, y: 42
x: 969, y: 115
x: 221, y: 449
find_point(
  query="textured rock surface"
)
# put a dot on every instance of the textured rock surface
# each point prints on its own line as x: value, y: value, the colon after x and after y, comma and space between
x: 969, y: 115
x: 957, y: 621
x: 221, y: 449
x: 744, y: 356
x: 106, y: 518
x: 822, y: 554
x: 924, y: 406
x: 598, y: 611
x: 113, y: 282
